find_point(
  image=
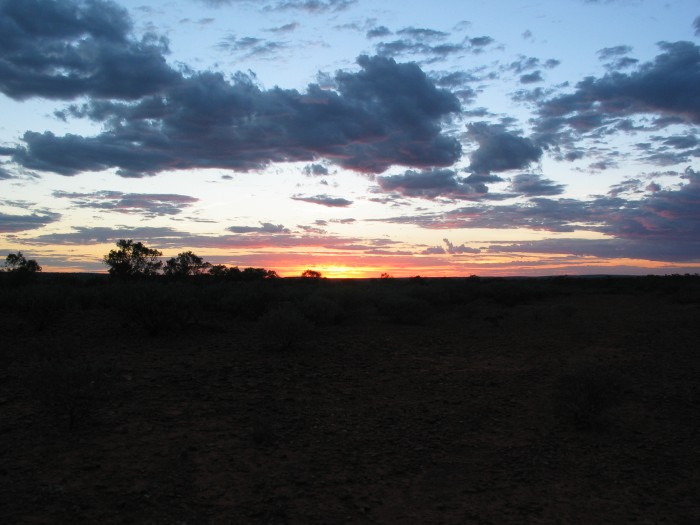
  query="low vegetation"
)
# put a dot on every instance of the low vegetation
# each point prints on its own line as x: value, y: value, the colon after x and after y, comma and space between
x: 202, y: 394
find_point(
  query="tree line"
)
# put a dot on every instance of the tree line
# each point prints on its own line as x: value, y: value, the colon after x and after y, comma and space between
x: 135, y: 260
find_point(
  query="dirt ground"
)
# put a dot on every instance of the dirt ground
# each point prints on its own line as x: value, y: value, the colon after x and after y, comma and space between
x: 578, y: 407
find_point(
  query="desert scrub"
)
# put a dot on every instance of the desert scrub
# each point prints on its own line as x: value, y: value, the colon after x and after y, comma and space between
x: 586, y: 394
x: 284, y: 327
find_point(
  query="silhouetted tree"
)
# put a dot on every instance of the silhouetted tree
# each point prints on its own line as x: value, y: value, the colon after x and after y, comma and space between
x: 234, y: 273
x: 311, y: 274
x: 17, y: 263
x: 133, y: 259
x: 257, y: 274
x: 385, y: 276
x: 185, y: 264
x: 218, y: 270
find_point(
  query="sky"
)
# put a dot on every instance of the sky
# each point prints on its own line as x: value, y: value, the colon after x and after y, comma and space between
x: 354, y: 137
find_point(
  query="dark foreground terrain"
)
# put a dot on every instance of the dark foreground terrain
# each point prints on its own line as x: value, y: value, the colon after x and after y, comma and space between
x: 311, y: 401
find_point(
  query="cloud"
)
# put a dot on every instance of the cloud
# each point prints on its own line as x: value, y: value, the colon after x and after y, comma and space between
x: 324, y: 200
x: 419, y: 33
x: 663, y: 217
x: 378, y: 32
x: 500, y: 150
x: 607, y: 249
x: 251, y: 47
x: 696, y: 25
x: 67, y: 49
x: 385, y: 114
x: 5, y: 175
x: 431, y: 184
x: 315, y: 170
x: 531, y: 78
x: 149, y: 205
x: 613, y: 52
x: 286, y: 28
x: 311, y: 6
x: 459, y: 250
x: 530, y: 184
x: 428, y: 43
x: 265, y: 227
x: 17, y: 223
x: 664, y: 87
x: 434, y: 250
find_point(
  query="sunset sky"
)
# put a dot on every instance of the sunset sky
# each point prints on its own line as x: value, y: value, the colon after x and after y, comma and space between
x: 354, y: 137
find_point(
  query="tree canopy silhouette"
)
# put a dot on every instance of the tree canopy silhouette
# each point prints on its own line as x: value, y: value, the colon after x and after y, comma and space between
x: 185, y: 264
x: 311, y: 274
x: 18, y: 263
x: 133, y: 259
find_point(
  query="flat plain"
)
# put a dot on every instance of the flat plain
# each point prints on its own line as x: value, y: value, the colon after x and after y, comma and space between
x: 293, y: 401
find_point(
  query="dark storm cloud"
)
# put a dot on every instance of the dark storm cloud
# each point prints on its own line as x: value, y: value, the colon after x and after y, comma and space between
x: 386, y: 113
x: 17, y: 223
x: 531, y: 184
x: 665, y: 87
x: 5, y: 175
x: 500, y: 150
x: 62, y: 50
x: 149, y: 205
x: 324, y: 200
x: 251, y: 47
x: 431, y: 184
x: 265, y: 227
